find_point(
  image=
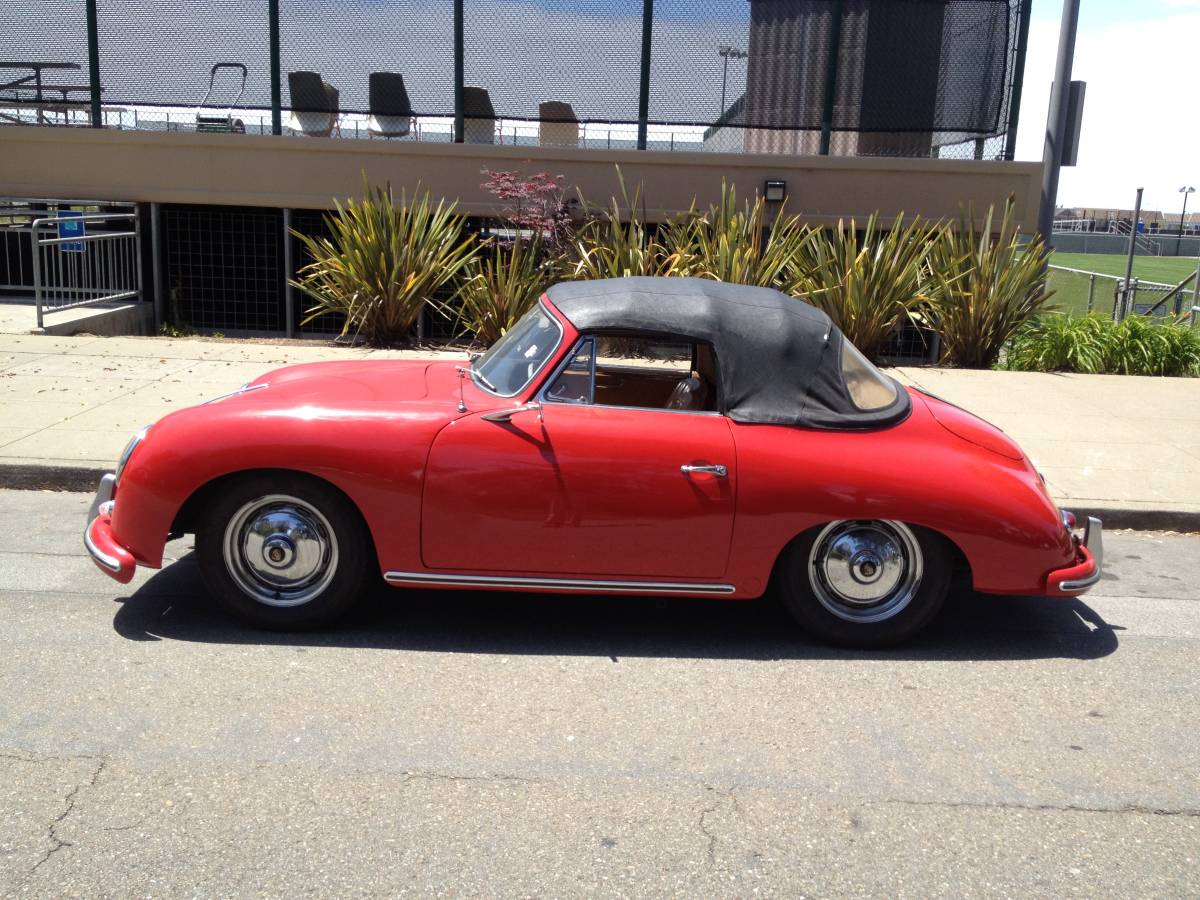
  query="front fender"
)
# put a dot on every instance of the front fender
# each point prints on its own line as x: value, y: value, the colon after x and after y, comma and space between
x: 375, y: 455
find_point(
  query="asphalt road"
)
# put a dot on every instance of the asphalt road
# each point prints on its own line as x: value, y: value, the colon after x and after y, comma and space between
x: 476, y: 745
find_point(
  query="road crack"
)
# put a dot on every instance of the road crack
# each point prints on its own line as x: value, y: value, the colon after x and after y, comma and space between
x: 724, y: 797
x: 59, y: 843
x: 1042, y: 807
x: 446, y: 776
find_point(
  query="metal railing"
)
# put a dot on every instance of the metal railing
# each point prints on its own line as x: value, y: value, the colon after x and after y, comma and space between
x: 85, y: 259
x: 17, y: 215
x: 1145, y: 244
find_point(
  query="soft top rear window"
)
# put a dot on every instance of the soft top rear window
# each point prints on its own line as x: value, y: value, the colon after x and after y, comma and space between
x: 869, y: 388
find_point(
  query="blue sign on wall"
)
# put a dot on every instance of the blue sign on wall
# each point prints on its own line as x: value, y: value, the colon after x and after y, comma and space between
x: 70, y: 230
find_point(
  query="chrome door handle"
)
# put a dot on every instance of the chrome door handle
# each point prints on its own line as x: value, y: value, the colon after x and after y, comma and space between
x: 506, y: 415
x: 719, y: 471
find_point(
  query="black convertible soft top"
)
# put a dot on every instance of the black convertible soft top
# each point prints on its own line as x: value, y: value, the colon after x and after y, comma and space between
x: 779, y: 360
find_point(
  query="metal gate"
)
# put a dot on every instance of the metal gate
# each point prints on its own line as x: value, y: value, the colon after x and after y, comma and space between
x: 84, y: 259
x: 1160, y: 301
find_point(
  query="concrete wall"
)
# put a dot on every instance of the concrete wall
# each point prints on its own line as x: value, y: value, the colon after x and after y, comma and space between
x: 300, y: 173
x: 1099, y: 242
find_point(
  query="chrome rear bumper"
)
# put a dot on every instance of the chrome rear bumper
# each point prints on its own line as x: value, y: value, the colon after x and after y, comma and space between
x: 104, y: 494
x: 1085, y: 572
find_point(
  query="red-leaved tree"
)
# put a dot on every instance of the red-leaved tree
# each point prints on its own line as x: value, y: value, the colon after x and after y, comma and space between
x: 534, y: 203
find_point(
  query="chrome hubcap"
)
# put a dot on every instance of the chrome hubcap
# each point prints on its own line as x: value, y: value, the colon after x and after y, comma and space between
x: 865, y: 571
x: 280, y: 550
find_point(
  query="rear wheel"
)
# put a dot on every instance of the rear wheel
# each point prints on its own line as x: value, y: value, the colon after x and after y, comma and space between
x: 284, y: 551
x: 865, y: 582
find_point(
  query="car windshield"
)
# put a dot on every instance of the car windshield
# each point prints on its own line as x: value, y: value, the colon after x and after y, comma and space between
x: 514, y: 360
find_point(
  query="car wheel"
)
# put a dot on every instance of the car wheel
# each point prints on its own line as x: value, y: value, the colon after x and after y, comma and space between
x: 284, y: 552
x: 865, y: 582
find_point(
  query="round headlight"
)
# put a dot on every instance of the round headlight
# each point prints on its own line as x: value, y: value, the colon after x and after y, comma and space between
x: 128, y: 451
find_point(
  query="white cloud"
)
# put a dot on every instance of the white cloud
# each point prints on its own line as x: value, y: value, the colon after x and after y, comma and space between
x: 1141, y: 120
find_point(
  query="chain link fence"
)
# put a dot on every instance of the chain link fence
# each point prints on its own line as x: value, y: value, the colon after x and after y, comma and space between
x: 1077, y: 292
x: 847, y: 77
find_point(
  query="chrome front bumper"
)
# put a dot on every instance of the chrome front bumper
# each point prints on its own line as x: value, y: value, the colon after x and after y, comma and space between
x: 109, y: 556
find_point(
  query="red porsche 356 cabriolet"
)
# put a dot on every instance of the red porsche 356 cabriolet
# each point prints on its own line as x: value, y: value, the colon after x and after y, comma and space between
x: 631, y: 436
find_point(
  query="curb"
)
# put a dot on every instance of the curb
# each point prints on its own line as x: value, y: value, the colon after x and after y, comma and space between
x: 1141, y: 519
x: 24, y: 477
x: 50, y: 478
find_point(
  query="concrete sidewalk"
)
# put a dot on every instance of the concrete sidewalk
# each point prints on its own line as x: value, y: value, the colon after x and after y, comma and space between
x: 1126, y: 446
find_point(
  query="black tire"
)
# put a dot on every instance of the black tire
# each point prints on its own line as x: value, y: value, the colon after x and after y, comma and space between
x: 318, y: 535
x: 801, y: 583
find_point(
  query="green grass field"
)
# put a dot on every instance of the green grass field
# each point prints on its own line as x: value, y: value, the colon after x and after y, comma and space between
x: 1071, y: 289
x: 1167, y: 269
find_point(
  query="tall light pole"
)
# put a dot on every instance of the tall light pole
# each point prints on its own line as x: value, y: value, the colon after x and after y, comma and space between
x: 726, y: 51
x: 1183, y: 215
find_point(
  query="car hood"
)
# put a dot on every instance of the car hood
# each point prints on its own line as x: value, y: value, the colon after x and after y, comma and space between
x: 342, y: 383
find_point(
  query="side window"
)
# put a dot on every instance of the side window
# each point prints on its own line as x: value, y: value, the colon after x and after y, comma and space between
x: 639, y: 371
x: 574, y: 383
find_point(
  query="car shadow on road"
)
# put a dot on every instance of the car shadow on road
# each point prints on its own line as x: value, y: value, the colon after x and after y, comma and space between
x: 173, y: 605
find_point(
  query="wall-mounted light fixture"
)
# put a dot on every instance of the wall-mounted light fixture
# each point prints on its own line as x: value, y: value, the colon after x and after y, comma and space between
x: 775, y: 191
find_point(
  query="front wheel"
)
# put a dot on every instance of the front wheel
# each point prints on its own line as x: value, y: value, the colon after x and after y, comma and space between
x: 284, y: 552
x: 865, y: 582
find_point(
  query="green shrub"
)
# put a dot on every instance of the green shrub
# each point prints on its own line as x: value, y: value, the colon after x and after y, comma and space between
x: 1060, y: 343
x: 609, y: 245
x: 984, y: 288
x: 382, y: 262
x: 1181, y: 354
x: 1136, y: 346
x: 736, y: 243
x: 868, y: 286
x: 502, y: 282
x: 1139, y: 346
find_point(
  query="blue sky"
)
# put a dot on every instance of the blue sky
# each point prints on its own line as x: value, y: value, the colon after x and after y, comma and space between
x: 1141, y: 123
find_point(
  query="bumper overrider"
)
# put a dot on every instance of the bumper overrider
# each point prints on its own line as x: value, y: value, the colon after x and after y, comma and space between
x: 1089, y: 560
x: 109, y: 556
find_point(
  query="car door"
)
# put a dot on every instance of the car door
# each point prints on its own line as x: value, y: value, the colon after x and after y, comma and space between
x: 582, y: 489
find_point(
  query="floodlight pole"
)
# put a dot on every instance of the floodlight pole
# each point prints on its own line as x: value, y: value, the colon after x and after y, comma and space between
x: 1056, y: 121
x: 726, y: 51
x: 1133, y: 233
x: 1183, y: 216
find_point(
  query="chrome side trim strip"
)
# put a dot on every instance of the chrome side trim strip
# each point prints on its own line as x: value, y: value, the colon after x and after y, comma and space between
x: 571, y: 584
x: 244, y: 389
x: 109, y: 562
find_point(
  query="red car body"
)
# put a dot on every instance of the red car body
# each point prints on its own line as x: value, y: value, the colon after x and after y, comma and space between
x: 586, y: 498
